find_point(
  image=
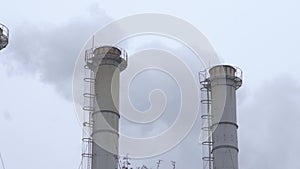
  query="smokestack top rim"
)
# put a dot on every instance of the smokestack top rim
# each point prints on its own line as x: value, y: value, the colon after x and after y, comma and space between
x: 225, y: 72
x: 4, y: 30
x: 222, y: 66
x: 108, y: 50
x: 107, y: 54
x: 4, y: 34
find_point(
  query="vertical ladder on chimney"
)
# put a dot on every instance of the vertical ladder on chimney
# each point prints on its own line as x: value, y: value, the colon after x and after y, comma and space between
x: 88, y: 108
x: 206, y: 117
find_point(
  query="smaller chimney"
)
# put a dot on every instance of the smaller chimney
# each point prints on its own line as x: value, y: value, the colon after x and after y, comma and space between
x: 224, y: 81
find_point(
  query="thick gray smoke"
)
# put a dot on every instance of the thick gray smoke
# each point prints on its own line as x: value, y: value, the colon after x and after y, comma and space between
x: 49, y: 52
x: 269, y: 127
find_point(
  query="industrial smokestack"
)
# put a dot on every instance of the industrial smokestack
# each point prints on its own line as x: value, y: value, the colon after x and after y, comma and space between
x: 107, y: 63
x: 4, y: 34
x: 224, y: 81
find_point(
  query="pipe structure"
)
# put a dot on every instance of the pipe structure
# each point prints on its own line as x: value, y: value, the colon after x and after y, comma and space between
x: 107, y: 63
x: 224, y: 83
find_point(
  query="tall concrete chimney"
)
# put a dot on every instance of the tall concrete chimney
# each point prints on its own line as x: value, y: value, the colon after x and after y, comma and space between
x: 107, y: 63
x: 224, y: 81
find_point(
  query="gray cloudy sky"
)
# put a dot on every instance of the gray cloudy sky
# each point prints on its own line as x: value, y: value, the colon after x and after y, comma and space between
x: 38, y: 124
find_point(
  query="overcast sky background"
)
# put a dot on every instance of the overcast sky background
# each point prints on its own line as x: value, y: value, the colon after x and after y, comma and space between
x: 38, y: 124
